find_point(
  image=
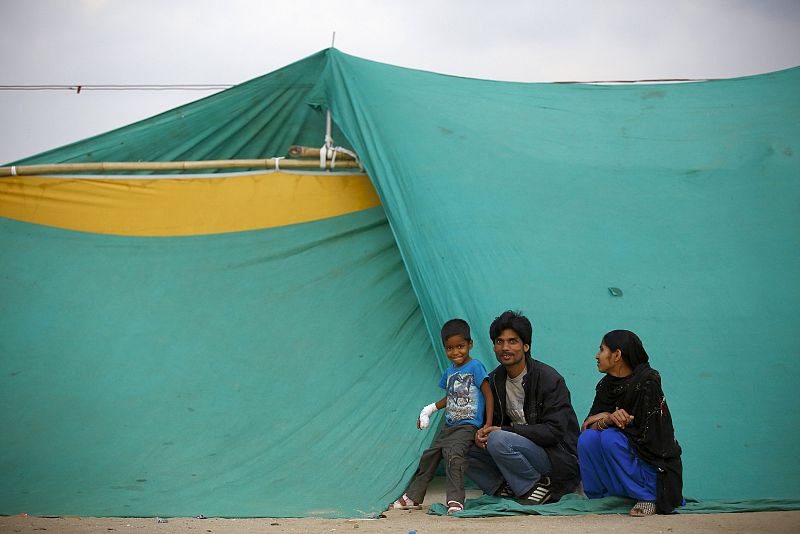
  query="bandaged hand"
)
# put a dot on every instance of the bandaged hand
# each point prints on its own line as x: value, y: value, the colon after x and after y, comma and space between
x: 425, y: 415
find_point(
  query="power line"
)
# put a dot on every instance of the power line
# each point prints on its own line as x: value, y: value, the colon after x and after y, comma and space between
x: 220, y: 86
x: 120, y: 87
x: 652, y: 80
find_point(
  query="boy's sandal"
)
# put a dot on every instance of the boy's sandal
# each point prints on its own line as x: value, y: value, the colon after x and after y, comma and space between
x: 643, y: 508
x: 453, y: 507
x: 405, y: 503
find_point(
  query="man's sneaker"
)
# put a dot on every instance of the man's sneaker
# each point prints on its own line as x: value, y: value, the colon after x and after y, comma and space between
x: 539, y: 494
x: 505, y: 492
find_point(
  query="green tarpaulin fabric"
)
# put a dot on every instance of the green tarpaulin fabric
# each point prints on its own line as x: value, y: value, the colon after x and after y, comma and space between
x: 542, y: 197
x: 574, y: 504
x: 247, y: 374
x: 498, y: 195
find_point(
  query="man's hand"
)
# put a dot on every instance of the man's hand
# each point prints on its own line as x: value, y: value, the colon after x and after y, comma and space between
x: 482, y: 436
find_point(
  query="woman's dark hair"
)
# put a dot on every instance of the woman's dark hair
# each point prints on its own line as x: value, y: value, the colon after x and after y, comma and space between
x: 516, y: 322
x: 455, y: 327
x: 629, y: 344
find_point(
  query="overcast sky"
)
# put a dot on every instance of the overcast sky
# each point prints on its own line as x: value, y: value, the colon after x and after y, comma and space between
x: 72, y: 42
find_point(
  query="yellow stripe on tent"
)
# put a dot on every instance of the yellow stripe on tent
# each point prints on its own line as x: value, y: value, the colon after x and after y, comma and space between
x: 183, y: 206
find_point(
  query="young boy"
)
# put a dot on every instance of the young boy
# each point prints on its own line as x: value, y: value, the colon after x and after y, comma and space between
x: 469, y: 406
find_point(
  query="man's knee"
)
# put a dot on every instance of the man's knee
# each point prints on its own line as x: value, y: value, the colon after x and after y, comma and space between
x: 498, y: 442
x: 501, y: 442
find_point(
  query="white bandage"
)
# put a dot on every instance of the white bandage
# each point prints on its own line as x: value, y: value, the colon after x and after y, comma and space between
x: 425, y: 415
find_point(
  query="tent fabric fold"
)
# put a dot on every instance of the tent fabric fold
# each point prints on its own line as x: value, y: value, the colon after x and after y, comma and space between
x: 228, y: 371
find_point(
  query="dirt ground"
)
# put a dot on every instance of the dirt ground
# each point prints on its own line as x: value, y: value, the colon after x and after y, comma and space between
x: 405, y: 521
x: 402, y: 522
x: 419, y: 521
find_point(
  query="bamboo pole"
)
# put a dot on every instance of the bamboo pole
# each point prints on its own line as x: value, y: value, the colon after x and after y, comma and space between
x: 58, y: 168
x: 297, y: 151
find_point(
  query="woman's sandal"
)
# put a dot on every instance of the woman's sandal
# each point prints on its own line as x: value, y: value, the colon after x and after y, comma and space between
x: 453, y: 507
x: 642, y: 509
x: 405, y: 503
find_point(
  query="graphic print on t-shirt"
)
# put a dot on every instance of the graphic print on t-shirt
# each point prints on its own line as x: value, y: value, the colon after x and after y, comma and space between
x: 462, y: 397
x: 465, y: 402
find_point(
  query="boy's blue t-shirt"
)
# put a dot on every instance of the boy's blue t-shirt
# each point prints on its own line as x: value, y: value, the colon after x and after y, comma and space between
x: 465, y: 402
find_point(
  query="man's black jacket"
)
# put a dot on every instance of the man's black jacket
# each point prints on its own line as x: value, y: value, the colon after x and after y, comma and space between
x: 550, y: 420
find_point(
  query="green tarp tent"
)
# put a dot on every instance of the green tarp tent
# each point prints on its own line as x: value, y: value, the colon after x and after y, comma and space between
x: 278, y: 371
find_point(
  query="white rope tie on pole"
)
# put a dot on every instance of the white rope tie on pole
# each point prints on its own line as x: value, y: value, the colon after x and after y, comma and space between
x: 348, y: 152
x: 13, y: 170
x: 278, y: 162
x: 328, y: 130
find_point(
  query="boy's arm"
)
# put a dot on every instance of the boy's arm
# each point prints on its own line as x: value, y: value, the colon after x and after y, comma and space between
x: 427, y: 411
x: 488, y: 403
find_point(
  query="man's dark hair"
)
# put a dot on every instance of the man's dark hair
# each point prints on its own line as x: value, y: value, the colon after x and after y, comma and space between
x: 516, y: 322
x: 455, y: 327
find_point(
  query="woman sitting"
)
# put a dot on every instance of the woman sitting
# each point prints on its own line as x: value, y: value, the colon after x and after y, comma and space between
x: 628, y: 447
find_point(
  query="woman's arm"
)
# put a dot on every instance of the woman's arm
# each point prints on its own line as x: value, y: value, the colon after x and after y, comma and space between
x: 604, y: 420
x: 592, y: 420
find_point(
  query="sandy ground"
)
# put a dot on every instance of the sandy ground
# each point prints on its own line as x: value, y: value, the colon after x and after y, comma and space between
x: 403, y: 522
x: 421, y: 523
